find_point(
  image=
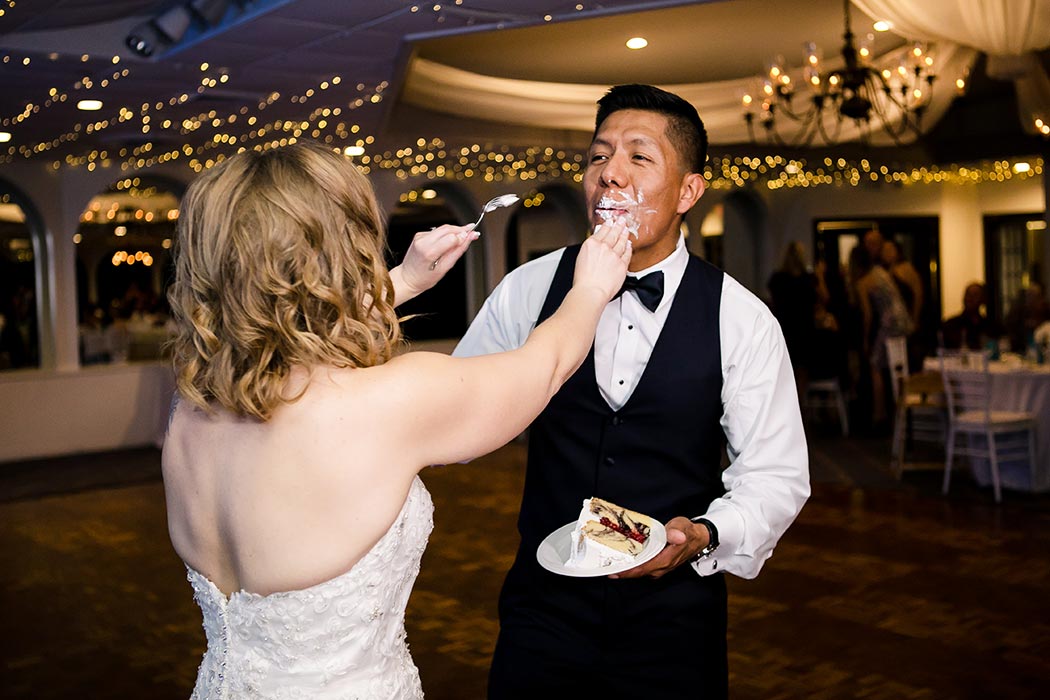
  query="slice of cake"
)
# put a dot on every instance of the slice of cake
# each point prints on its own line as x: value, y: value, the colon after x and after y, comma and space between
x: 607, y: 534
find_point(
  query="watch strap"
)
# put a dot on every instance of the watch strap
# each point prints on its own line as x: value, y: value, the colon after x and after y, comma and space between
x: 712, y: 533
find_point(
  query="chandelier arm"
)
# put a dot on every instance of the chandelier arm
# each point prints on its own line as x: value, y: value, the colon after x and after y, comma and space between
x: 882, y: 113
x: 909, y: 118
x: 830, y: 140
x: 774, y: 136
x: 785, y: 108
x: 808, y: 132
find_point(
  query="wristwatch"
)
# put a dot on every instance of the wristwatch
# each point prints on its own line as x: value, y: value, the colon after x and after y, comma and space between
x: 712, y: 543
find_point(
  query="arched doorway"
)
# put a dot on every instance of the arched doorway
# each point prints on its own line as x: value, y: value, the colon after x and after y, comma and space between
x: 124, y: 267
x: 552, y: 217
x: 704, y: 232
x: 23, y: 288
x: 444, y: 311
x: 744, y: 225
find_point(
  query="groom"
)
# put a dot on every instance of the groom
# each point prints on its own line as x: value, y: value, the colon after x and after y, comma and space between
x: 684, y: 359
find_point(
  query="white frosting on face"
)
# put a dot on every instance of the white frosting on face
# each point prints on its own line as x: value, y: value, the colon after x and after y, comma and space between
x: 620, y: 200
x: 585, y: 553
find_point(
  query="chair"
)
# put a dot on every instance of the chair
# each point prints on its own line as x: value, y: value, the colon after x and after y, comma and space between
x: 827, y: 393
x: 919, y: 398
x: 967, y: 386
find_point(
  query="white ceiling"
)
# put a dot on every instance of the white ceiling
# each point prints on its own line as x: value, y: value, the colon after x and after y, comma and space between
x: 287, y: 47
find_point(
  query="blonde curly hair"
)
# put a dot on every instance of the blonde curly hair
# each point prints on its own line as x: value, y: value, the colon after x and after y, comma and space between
x: 278, y: 263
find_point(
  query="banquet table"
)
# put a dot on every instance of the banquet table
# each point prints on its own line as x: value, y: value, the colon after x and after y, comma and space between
x: 1015, y: 386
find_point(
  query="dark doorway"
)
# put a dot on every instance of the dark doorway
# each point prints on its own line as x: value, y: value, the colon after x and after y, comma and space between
x: 442, y: 311
x: 1013, y: 246
x: 919, y: 239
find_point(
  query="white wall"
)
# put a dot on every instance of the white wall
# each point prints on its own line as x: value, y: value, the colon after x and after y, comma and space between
x: 48, y: 413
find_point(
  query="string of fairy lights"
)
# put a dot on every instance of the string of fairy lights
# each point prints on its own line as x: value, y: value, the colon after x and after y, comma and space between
x: 219, y: 134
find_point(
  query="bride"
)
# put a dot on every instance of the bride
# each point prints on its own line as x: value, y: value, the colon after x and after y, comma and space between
x: 291, y: 462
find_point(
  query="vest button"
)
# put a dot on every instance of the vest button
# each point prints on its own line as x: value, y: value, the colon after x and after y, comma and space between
x: 616, y: 420
x: 609, y: 461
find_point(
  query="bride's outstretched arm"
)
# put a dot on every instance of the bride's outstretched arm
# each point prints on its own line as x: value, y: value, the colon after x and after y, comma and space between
x: 431, y: 254
x: 454, y: 409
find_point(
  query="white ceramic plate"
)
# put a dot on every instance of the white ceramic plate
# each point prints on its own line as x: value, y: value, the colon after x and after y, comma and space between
x: 553, y: 552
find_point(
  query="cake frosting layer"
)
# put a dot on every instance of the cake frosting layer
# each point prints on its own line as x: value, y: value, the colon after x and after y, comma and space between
x: 606, y: 534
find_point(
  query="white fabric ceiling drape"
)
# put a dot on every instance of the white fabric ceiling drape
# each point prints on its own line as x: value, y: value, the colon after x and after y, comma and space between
x: 1009, y: 31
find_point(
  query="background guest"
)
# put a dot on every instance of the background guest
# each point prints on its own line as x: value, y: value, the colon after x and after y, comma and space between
x: 793, y: 300
x: 909, y: 284
x: 971, y: 329
x: 873, y: 241
x: 828, y: 356
x: 883, y: 316
x: 1028, y: 312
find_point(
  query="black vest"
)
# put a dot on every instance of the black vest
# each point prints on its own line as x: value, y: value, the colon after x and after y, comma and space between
x: 660, y: 454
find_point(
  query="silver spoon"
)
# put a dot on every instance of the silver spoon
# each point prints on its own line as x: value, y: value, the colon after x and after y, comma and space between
x: 504, y: 200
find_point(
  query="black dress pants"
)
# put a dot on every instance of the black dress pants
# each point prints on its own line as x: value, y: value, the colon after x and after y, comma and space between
x: 631, y: 638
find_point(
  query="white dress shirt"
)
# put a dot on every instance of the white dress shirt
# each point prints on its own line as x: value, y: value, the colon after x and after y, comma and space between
x: 767, y: 480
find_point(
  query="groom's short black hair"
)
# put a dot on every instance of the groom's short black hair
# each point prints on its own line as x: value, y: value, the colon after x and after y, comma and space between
x: 685, y: 129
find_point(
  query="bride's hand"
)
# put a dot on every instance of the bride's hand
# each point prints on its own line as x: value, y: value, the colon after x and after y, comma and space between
x: 604, y: 256
x: 431, y: 254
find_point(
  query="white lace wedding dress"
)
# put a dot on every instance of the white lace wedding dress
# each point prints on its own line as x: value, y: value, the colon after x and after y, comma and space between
x: 344, y: 638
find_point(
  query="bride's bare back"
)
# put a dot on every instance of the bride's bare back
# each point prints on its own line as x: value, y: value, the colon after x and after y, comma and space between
x: 291, y: 502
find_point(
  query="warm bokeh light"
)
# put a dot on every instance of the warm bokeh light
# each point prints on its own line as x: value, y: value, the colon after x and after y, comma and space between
x: 637, y: 42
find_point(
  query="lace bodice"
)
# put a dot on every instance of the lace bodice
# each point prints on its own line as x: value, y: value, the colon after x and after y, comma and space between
x: 344, y: 638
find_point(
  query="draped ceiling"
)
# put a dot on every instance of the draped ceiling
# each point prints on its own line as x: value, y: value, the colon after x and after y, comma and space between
x: 1009, y: 31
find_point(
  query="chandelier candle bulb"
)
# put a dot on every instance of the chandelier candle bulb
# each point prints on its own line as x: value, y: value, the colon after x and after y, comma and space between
x: 854, y: 93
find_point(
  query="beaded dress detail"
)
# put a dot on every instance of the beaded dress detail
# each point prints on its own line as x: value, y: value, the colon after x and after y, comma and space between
x: 344, y: 638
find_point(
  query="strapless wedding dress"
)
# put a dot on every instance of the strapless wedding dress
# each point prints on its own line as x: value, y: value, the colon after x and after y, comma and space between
x: 344, y: 638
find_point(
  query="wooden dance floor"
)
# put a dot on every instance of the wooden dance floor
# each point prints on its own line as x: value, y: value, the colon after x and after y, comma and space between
x: 881, y: 590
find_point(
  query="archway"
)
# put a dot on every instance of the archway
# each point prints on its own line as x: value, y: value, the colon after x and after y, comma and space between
x: 124, y: 267
x: 23, y: 281
x: 744, y: 225
x: 552, y: 217
x: 704, y: 229
x: 444, y: 311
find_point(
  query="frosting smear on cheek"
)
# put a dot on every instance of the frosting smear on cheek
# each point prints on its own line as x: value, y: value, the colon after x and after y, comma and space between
x: 621, y: 204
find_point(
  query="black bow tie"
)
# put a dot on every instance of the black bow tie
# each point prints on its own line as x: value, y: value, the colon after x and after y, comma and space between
x: 650, y: 288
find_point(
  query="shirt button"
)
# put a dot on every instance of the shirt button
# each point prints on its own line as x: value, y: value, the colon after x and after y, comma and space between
x: 630, y: 328
x: 621, y: 382
x: 610, y: 461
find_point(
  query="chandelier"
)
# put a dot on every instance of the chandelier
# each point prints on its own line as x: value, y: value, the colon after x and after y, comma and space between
x: 889, y: 100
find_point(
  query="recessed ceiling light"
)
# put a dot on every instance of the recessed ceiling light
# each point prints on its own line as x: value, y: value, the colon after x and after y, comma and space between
x: 5, y: 136
x: 637, y: 42
x: 89, y: 105
x: 883, y: 26
x: 354, y: 151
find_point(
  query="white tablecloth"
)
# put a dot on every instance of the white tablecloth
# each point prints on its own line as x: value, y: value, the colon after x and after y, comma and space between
x: 1017, y: 387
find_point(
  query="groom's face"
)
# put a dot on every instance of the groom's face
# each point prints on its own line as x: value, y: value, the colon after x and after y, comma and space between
x: 635, y: 172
